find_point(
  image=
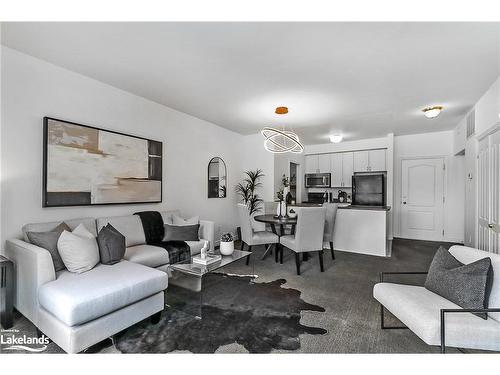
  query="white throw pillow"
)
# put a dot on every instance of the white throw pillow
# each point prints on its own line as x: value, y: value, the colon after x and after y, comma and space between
x: 176, y: 220
x: 79, y: 250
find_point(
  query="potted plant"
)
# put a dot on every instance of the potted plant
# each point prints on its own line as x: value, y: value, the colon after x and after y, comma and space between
x: 247, y: 192
x: 226, y: 243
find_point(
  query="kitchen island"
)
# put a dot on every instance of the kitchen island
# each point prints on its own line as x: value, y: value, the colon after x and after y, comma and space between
x: 362, y: 229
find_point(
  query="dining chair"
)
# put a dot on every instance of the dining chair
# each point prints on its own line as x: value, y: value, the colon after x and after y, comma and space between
x: 249, y: 235
x: 331, y: 213
x: 308, y: 235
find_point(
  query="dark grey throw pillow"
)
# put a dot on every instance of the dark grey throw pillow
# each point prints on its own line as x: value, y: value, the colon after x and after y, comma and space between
x: 181, y: 232
x: 463, y: 284
x: 48, y: 240
x: 111, y: 245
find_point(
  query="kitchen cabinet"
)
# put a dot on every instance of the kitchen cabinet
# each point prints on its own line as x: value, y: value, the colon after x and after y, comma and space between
x: 367, y: 161
x: 361, y: 161
x: 376, y: 160
x: 312, y: 164
x: 324, y: 163
x: 347, y: 168
x: 341, y: 168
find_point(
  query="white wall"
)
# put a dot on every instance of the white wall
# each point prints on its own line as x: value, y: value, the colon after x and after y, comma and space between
x: 488, y: 108
x: 255, y: 156
x: 32, y: 89
x: 427, y: 145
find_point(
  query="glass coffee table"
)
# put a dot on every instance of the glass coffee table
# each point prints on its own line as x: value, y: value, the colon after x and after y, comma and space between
x: 188, y: 282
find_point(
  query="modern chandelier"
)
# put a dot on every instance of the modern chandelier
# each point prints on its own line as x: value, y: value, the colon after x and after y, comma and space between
x: 281, y: 141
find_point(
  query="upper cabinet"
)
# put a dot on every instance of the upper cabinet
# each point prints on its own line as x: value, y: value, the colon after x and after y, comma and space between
x: 324, y: 163
x: 337, y: 170
x: 370, y: 161
x: 347, y: 168
x: 341, y: 169
x: 312, y: 164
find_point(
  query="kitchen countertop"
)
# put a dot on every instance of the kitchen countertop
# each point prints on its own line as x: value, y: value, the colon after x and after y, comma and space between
x: 367, y: 208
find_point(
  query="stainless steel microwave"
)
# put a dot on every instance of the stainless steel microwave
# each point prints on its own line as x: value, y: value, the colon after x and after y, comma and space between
x: 318, y: 180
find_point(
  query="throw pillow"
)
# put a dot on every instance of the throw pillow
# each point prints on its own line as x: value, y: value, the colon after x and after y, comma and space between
x: 111, y: 245
x: 181, y: 232
x: 176, y: 220
x: 48, y: 241
x: 463, y: 284
x: 78, y: 250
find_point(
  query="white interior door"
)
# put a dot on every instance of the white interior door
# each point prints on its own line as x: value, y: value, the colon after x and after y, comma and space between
x: 422, y: 199
x: 488, y: 236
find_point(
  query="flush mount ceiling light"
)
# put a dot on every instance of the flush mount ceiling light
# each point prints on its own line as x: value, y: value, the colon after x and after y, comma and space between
x: 336, y: 138
x: 280, y: 141
x: 432, y: 112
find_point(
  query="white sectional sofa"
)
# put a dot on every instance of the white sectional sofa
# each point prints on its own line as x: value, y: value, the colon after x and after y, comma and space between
x: 438, y: 321
x: 77, y: 311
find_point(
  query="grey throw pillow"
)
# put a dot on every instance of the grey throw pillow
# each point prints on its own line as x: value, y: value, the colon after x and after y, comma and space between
x: 181, y: 232
x: 111, y: 245
x: 48, y: 240
x: 466, y: 285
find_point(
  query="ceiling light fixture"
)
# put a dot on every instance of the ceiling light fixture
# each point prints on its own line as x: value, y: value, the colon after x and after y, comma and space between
x: 281, y: 141
x: 432, y: 112
x: 336, y: 138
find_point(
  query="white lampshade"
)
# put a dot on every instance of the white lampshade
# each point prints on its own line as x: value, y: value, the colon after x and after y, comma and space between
x: 336, y: 138
x: 432, y: 112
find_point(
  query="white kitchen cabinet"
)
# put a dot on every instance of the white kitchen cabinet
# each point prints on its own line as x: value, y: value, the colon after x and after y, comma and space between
x: 367, y: 161
x: 361, y: 161
x: 324, y: 163
x: 347, y: 168
x: 376, y: 160
x: 312, y: 164
x: 336, y: 169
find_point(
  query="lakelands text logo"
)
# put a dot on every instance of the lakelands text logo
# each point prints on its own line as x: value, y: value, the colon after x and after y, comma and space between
x: 28, y: 343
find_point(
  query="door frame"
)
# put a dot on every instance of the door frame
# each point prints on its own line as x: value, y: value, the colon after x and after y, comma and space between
x: 399, y: 189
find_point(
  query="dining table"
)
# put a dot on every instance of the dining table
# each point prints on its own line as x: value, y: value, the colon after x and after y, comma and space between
x: 281, y: 222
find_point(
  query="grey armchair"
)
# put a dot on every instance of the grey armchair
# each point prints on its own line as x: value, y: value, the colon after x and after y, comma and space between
x: 331, y: 213
x: 308, y: 235
x: 249, y: 235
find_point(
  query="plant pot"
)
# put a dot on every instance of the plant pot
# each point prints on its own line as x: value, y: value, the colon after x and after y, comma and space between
x: 227, y: 248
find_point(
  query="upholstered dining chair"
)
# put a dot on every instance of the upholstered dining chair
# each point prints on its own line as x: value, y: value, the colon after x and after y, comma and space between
x: 331, y: 212
x: 249, y: 235
x: 308, y: 235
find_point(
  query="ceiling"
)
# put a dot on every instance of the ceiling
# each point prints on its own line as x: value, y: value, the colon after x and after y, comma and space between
x: 359, y: 79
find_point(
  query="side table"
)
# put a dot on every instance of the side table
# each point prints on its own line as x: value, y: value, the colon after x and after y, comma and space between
x: 6, y: 292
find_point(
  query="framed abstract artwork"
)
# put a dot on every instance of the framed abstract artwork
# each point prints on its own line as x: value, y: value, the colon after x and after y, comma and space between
x: 85, y: 165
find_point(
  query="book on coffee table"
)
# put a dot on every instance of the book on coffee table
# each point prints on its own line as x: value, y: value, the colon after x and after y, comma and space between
x: 209, y: 259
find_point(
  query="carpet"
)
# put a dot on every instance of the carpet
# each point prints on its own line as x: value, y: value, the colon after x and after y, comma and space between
x: 259, y: 316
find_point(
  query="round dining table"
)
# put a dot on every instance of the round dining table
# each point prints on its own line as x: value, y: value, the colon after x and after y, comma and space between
x: 274, y: 221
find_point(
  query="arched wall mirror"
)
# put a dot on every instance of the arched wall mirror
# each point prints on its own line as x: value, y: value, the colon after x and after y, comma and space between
x: 217, y: 178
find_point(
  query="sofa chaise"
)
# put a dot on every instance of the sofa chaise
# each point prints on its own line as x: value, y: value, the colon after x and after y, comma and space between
x: 77, y: 311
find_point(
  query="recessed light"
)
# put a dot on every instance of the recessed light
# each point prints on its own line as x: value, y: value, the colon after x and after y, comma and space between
x: 336, y: 138
x: 432, y: 112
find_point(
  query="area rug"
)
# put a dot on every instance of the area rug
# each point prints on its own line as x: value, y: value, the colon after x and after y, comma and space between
x: 259, y: 316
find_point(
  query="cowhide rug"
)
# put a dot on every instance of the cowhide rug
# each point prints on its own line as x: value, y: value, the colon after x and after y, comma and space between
x: 259, y: 316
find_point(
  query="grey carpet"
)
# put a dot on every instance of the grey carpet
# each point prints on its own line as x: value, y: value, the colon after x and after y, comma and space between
x: 344, y: 290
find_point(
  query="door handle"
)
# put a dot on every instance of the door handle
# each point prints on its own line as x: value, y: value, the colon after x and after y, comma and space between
x: 404, y: 202
x: 490, y: 225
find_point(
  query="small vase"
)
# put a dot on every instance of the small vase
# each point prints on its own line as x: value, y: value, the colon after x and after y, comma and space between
x: 227, y: 248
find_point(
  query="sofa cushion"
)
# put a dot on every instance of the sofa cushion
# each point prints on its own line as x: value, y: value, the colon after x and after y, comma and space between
x: 130, y: 226
x: 468, y: 255
x: 147, y: 255
x: 89, y: 223
x: 419, y: 309
x: 463, y: 284
x: 177, y: 220
x: 48, y: 241
x: 182, y: 232
x: 78, y: 249
x: 168, y: 216
x: 79, y: 298
x: 111, y: 245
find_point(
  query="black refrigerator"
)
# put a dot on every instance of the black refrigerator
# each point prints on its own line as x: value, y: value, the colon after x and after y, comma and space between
x: 369, y: 189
